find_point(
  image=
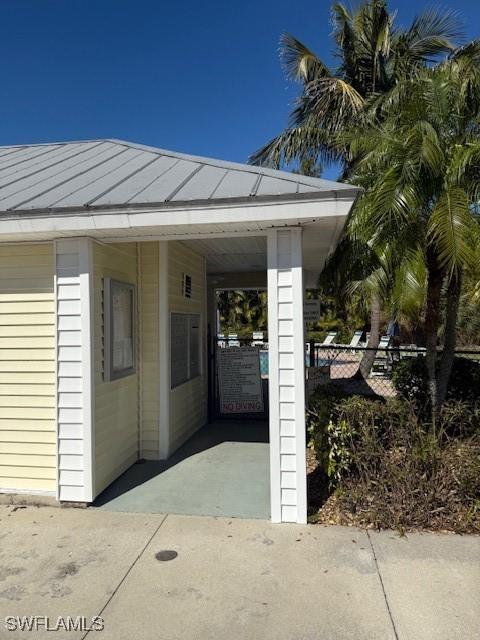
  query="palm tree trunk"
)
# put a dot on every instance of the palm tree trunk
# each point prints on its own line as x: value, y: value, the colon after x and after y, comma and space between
x: 369, y: 356
x: 450, y: 341
x: 432, y: 323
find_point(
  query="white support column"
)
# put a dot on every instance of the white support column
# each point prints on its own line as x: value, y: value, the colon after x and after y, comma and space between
x: 75, y: 390
x: 288, y: 484
x: 164, y: 352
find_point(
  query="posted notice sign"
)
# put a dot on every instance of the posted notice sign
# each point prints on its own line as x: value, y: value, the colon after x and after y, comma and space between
x: 239, y: 380
x: 311, y: 310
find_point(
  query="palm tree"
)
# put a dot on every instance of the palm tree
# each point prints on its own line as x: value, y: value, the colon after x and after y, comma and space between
x: 423, y: 160
x: 374, y: 55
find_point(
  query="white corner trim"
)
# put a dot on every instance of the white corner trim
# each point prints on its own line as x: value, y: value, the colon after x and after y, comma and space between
x: 164, y: 352
x: 299, y: 358
x: 273, y: 378
x: 74, y: 369
x: 86, y: 310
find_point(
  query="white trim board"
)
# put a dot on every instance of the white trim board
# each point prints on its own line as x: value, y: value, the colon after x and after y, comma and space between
x: 74, y: 349
x: 263, y: 216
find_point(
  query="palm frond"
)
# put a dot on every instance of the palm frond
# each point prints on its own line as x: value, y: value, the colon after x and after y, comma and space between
x: 449, y: 230
x: 300, y: 64
x: 297, y: 144
x: 432, y: 33
x: 332, y: 102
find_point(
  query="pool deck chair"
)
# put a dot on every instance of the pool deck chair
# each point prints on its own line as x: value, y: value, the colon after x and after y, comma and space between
x: 355, y: 341
x: 329, y: 338
x: 257, y: 339
x: 383, y: 362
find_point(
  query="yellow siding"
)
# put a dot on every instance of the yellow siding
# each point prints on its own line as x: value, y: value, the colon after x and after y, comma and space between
x: 188, y: 402
x: 148, y: 302
x: 116, y: 402
x: 27, y: 368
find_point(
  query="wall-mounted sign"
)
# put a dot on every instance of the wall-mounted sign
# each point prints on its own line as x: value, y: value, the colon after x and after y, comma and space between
x: 311, y: 310
x: 239, y: 380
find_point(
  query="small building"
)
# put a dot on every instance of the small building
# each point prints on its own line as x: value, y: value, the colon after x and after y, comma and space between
x: 109, y: 254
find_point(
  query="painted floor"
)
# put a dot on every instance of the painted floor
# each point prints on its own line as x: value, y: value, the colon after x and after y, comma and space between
x: 223, y: 470
x: 230, y: 579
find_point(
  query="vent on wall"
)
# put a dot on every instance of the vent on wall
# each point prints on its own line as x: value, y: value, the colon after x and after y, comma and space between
x: 187, y: 286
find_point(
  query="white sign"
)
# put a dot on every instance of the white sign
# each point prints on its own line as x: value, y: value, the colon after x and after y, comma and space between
x: 239, y: 380
x: 311, y: 310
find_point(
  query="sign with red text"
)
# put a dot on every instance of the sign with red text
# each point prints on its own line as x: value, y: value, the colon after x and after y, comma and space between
x: 239, y: 380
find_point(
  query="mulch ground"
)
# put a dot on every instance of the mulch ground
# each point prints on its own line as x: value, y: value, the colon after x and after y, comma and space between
x: 328, y: 509
x: 322, y: 508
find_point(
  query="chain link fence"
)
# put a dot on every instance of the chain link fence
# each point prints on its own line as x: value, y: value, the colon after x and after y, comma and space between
x: 355, y: 369
x: 362, y: 370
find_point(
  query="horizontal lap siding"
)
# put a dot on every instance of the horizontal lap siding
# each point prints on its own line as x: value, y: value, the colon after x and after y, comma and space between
x: 27, y: 368
x: 148, y: 301
x: 188, y: 402
x: 116, y: 402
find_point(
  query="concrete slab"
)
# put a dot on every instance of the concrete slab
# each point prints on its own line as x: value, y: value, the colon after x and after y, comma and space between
x: 223, y: 470
x: 232, y: 578
x: 432, y: 584
x: 64, y: 562
x: 244, y: 579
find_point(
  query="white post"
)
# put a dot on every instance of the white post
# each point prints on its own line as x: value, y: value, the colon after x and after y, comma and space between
x: 75, y: 383
x: 288, y: 485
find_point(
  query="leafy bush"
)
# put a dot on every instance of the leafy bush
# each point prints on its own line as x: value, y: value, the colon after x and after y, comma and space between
x: 410, y: 380
x: 320, y: 408
x: 389, y: 469
x: 464, y: 381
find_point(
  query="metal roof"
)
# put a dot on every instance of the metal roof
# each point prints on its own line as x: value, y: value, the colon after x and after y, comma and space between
x: 101, y: 174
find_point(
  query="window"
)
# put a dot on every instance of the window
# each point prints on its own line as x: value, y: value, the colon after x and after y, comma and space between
x: 119, y: 329
x: 184, y: 347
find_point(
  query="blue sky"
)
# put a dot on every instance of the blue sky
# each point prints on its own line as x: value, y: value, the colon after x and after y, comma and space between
x: 198, y: 77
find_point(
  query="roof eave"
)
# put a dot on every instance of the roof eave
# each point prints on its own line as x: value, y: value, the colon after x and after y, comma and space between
x: 341, y: 194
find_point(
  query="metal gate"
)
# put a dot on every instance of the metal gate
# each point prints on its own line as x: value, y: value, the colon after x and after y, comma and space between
x: 215, y: 344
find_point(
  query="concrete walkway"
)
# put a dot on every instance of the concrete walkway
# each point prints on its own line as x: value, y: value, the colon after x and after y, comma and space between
x: 235, y: 579
x: 222, y: 470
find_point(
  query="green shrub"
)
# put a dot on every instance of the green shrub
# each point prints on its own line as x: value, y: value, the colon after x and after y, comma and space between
x: 320, y: 409
x: 464, y: 383
x: 410, y: 380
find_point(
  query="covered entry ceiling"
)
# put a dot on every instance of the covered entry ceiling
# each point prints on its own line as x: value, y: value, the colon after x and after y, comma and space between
x: 232, y: 255
x: 242, y: 254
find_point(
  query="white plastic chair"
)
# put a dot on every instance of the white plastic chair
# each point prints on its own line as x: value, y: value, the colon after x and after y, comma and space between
x: 355, y: 341
x: 257, y: 339
x: 233, y: 340
x: 329, y: 338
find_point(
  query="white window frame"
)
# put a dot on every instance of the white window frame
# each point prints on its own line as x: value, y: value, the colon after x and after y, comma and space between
x: 200, y: 350
x: 109, y: 373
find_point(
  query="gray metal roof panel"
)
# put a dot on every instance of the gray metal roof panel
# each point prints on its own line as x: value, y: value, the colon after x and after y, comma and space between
x: 201, y: 185
x: 132, y: 186
x: 24, y: 190
x: 112, y: 173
